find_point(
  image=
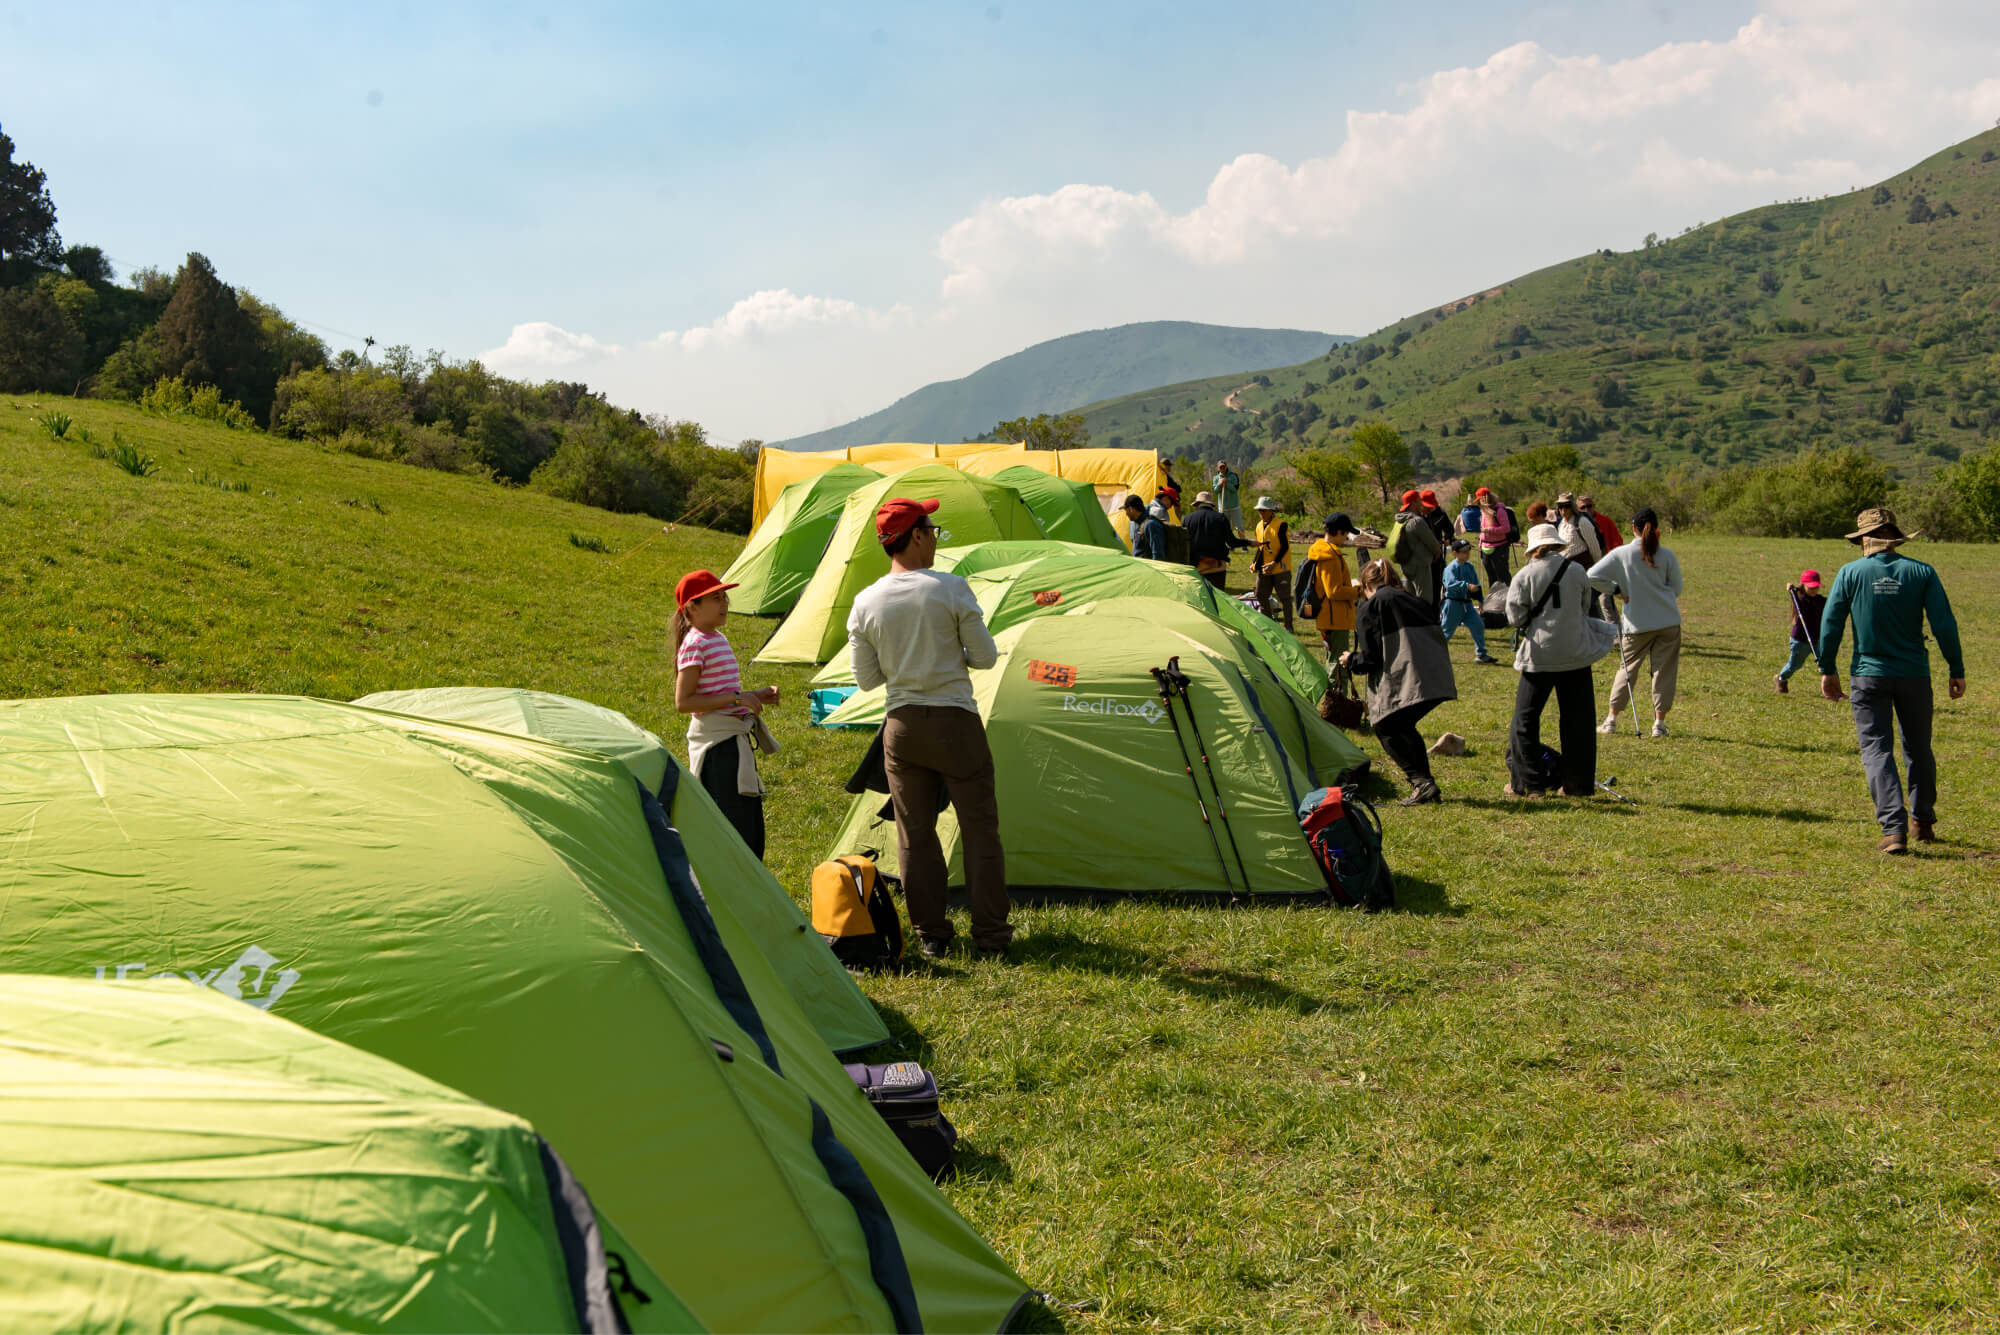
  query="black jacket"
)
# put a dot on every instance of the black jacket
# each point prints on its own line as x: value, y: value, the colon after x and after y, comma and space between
x: 1209, y: 534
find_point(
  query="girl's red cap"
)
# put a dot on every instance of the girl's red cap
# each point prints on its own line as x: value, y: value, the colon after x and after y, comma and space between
x: 697, y: 584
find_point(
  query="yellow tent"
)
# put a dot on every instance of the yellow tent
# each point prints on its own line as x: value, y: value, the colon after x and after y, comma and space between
x: 1112, y: 473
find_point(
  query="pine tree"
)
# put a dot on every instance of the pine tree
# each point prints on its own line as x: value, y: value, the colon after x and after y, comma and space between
x: 27, y: 217
x: 207, y: 338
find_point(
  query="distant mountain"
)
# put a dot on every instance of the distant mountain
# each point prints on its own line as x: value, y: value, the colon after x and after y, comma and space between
x: 1869, y: 318
x: 1068, y: 372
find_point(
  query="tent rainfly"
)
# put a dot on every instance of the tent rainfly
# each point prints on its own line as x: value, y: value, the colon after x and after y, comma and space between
x: 509, y: 918
x: 1111, y: 473
x: 1089, y: 771
x: 176, y: 1160
x: 972, y: 509
x: 774, y: 566
x: 723, y: 864
x: 1067, y: 511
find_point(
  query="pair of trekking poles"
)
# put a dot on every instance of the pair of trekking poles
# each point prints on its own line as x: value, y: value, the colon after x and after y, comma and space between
x: 1173, y: 683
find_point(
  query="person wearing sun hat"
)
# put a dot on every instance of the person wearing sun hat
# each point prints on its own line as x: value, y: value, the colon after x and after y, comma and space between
x: 916, y: 631
x: 1548, y: 606
x: 1889, y: 596
x: 1807, y: 604
x: 1273, y: 559
x: 725, y: 730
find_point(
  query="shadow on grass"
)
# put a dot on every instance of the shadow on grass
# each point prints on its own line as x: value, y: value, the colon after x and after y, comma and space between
x: 1065, y: 950
x: 1602, y: 804
x: 1695, y: 651
x: 1798, y: 748
x: 1424, y: 899
x: 1795, y: 815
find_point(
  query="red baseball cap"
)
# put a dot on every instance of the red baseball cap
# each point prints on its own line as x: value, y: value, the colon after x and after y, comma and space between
x: 1809, y: 578
x: 1430, y: 497
x: 899, y: 516
x: 1408, y: 498
x: 697, y: 584
x: 1482, y: 492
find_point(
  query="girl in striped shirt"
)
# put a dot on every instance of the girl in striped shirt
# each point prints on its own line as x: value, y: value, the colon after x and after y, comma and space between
x: 708, y: 685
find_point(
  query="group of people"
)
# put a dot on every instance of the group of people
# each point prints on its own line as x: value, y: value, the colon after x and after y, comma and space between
x: 918, y: 631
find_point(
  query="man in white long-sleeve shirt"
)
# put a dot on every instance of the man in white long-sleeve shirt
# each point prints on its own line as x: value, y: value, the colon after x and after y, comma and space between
x: 917, y: 631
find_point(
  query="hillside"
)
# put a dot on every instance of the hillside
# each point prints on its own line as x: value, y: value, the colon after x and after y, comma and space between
x: 1064, y: 373
x: 1870, y: 319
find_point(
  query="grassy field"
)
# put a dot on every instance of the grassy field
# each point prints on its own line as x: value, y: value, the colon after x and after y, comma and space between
x: 1703, y: 1062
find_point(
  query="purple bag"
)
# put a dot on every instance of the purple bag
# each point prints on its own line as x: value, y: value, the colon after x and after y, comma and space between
x: 906, y: 1096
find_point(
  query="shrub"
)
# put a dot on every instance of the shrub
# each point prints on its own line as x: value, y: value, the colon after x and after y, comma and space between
x: 1813, y: 494
x: 55, y: 424
x: 171, y: 396
x: 1529, y: 475
x: 327, y: 405
x: 589, y: 543
x: 128, y: 457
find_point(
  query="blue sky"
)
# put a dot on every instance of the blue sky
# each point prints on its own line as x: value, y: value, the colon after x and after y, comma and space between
x: 773, y: 219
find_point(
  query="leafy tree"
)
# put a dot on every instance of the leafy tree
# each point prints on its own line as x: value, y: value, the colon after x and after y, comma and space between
x: 1044, y: 431
x: 1378, y: 448
x: 207, y: 338
x: 324, y: 405
x: 39, y: 348
x: 748, y: 450
x: 88, y: 263
x: 1920, y: 210
x: 1333, y: 475
x: 28, y: 237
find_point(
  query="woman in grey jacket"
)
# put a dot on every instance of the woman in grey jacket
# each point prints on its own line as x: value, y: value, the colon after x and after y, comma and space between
x: 1650, y: 578
x: 1548, y: 606
x: 1401, y: 648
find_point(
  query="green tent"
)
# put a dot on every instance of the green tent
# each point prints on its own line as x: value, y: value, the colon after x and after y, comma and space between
x: 1052, y: 585
x: 773, y: 567
x: 979, y: 556
x: 1068, y: 511
x: 513, y: 919
x: 824, y: 990
x: 175, y: 1160
x: 1093, y: 791
x: 973, y: 509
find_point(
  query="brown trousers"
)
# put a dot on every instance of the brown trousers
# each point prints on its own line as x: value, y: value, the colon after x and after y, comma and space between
x: 926, y: 748
x: 1275, y: 591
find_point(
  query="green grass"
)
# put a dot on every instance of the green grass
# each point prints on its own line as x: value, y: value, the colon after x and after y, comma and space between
x: 1713, y: 334
x: 1707, y: 1062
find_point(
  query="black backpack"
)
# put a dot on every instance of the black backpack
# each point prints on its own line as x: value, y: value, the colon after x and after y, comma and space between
x: 1345, y: 835
x: 853, y: 911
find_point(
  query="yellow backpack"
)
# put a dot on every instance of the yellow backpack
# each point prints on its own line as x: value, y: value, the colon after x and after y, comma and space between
x: 855, y: 914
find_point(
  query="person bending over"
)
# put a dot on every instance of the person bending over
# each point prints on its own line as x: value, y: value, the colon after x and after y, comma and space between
x: 1400, y: 647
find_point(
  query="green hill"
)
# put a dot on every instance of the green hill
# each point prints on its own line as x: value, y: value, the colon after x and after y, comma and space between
x: 1870, y: 319
x: 1064, y: 372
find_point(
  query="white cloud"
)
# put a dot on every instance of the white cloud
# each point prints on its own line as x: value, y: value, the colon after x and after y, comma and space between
x: 1485, y: 172
x: 539, y: 347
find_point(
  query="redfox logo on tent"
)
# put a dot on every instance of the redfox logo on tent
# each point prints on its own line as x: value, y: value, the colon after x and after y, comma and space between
x: 245, y: 978
x: 1147, y: 710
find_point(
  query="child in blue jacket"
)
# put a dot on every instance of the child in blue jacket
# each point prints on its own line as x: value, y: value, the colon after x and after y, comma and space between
x: 1461, y: 600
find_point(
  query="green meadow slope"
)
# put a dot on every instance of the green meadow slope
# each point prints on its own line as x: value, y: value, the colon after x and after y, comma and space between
x: 1704, y: 1062
x: 1870, y: 318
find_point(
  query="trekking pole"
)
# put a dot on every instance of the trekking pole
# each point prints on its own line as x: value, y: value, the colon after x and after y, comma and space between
x: 1187, y: 764
x: 1605, y: 784
x: 1179, y: 679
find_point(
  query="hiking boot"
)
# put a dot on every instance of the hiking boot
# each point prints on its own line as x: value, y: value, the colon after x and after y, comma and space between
x: 934, y: 948
x: 1531, y: 795
x: 1609, y: 726
x: 1926, y: 832
x: 1779, y: 682
x: 1893, y: 843
x: 1659, y: 727
x: 1488, y: 659
x: 1425, y: 792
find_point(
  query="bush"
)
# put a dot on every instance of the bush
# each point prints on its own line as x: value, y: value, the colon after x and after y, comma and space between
x: 1533, y: 475
x: 598, y: 465
x: 172, y: 396
x: 1814, y: 494
x: 328, y: 405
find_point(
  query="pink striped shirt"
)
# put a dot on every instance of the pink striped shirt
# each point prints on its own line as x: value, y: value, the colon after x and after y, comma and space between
x: 709, y: 650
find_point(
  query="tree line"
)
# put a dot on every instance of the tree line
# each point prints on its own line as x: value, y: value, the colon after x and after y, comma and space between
x: 192, y: 344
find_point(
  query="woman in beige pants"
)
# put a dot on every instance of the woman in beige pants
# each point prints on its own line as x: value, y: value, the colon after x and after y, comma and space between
x: 1649, y: 576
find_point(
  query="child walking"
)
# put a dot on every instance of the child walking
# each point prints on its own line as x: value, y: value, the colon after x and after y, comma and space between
x: 1461, y: 600
x: 725, y: 718
x: 1808, y: 606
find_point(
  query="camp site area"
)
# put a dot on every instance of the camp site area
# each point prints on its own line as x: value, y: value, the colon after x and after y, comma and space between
x: 1700, y: 1060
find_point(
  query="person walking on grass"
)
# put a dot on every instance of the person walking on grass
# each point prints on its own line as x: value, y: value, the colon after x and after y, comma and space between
x: 1324, y: 590
x: 708, y: 686
x: 1211, y: 539
x: 1462, y: 596
x: 1149, y: 530
x: 1498, y: 531
x: 1399, y: 647
x: 1806, y: 603
x: 1274, y: 560
x: 1547, y: 606
x: 1889, y: 596
x: 1414, y: 546
x: 916, y: 630
x: 1649, y: 577
x: 1440, y: 522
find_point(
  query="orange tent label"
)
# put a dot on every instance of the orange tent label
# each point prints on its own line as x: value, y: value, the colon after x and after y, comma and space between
x: 1051, y: 674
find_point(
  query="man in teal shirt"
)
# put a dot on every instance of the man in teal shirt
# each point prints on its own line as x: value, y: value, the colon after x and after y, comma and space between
x: 1228, y: 488
x: 1888, y: 595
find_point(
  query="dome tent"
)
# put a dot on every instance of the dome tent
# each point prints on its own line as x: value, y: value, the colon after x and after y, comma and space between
x: 143, y: 1187
x: 1055, y: 584
x: 1089, y: 773
x: 975, y: 557
x: 971, y: 509
x: 510, y: 918
x: 722, y: 863
x: 1067, y: 511
x: 778, y: 560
